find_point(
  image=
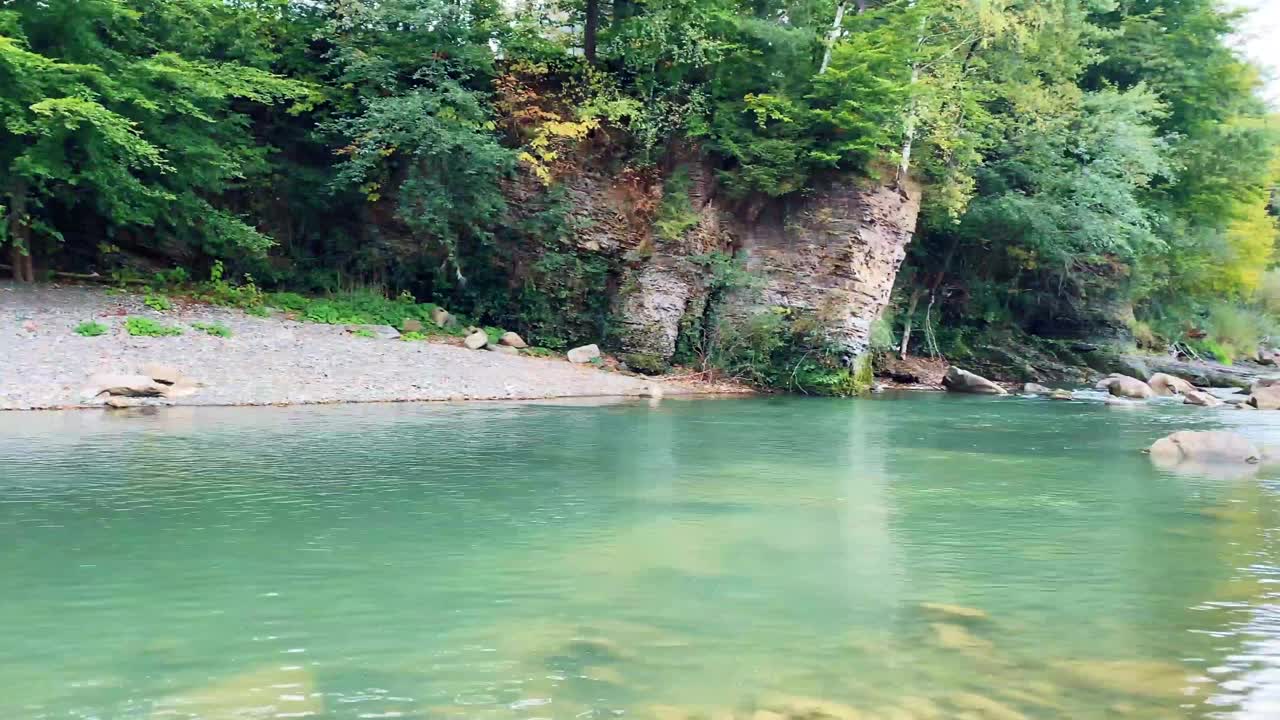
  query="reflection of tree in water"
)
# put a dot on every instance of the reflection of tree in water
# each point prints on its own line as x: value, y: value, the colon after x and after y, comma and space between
x: 1248, y: 609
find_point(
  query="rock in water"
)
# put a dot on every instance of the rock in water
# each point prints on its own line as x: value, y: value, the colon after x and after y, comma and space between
x: 1035, y: 389
x: 1164, y: 384
x: 1061, y: 395
x: 125, y: 385
x: 1266, y: 397
x: 511, y: 339
x: 963, y: 381
x: 411, y: 325
x: 1126, y: 387
x: 476, y: 340
x: 1203, y: 399
x: 1212, y: 446
x: 584, y: 354
x: 164, y: 374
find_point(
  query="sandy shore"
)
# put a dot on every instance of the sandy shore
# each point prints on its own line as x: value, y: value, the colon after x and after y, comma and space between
x: 266, y: 361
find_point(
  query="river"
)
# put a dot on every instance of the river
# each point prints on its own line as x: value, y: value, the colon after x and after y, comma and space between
x: 910, y: 557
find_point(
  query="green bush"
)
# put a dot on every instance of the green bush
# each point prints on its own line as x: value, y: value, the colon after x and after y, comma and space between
x: 159, y: 303
x: 146, y: 327
x: 215, y: 329
x: 1234, y: 332
x: 90, y: 328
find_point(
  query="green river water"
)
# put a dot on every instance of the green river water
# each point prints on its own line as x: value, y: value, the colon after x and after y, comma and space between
x: 752, y: 558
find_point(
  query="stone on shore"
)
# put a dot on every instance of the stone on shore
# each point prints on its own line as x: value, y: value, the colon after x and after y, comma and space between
x: 1035, y: 389
x: 476, y: 340
x: 1124, y: 386
x: 442, y: 318
x: 119, y: 384
x: 382, y: 332
x: 503, y: 349
x: 963, y: 381
x: 514, y: 340
x: 584, y: 354
x: 411, y: 325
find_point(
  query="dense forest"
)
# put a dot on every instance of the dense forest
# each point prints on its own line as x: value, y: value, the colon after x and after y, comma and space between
x: 1089, y: 168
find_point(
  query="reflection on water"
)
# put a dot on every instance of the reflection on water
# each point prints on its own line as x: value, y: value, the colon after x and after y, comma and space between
x: 910, y: 558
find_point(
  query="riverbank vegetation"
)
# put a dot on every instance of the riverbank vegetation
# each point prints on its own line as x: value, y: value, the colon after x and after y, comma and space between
x: 1090, y: 168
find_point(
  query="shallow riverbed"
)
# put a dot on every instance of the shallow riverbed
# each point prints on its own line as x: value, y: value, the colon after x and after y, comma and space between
x: 917, y: 557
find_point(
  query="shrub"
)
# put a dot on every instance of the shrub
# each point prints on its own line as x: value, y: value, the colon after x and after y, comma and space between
x: 159, y: 303
x: 147, y: 327
x: 215, y: 329
x: 90, y: 328
x: 1235, y: 332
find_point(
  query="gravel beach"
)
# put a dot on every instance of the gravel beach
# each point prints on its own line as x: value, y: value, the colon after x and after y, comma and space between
x: 265, y: 361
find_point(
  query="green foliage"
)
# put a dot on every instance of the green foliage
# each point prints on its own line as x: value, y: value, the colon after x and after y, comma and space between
x: 90, y: 328
x: 676, y: 215
x: 787, y: 350
x: 159, y: 303
x: 367, y: 333
x: 407, y: 337
x: 146, y: 327
x: 214, y: 329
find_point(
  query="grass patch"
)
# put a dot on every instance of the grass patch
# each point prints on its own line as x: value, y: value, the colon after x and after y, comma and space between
x: 146, y: 327
x: 159, y: 303
x: 214, y: 329
x: 407, y: 337
x: 90, y: 328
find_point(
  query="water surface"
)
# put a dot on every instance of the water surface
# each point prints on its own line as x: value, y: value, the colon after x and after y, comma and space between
x: 677, y: 560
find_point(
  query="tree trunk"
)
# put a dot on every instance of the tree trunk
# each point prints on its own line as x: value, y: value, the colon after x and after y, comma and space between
x: 20, y: 233
x: 590, y: 29
x: 831, y: 38
x: 909, y: 127
x: 911, y: 313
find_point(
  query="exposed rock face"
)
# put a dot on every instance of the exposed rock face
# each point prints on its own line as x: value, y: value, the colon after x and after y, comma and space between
x: 833, y: 254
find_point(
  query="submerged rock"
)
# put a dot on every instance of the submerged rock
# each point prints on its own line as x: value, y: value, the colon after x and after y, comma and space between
x: 957, y: 612
x: 270, y: 692
x: 986, y: 707
x: 1133, y: 677
x: 476, y: 340
x: 963, y: 381
x: 957, y: 637
x: 584, y: 354
x: 805, y: 708
x: 1211, y: 446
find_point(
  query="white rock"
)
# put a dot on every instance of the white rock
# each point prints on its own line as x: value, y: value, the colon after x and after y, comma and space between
x: 476, y: 340
x: 584, y: 354
x: 504, y: 349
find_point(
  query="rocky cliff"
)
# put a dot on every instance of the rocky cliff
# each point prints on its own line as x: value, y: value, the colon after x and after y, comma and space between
x: 831, y: 255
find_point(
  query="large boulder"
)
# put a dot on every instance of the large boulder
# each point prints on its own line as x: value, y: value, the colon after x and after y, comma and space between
x: 1035, y: 389
x: 584, y: 354
x: 1124, y: 386
x: 476, y: 340
x: 514, y: 340
x: 1265, y: 398
x: 442, y: 318
x: 1165, y: 384
x: 1204, y: 448
x: 963, y: 381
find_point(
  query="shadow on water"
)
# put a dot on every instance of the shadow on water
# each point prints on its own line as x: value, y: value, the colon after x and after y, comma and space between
x: 923, y: 557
